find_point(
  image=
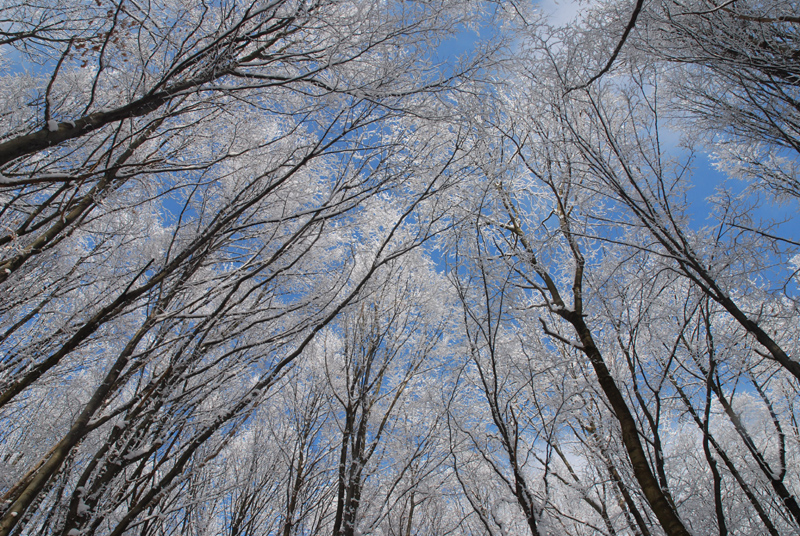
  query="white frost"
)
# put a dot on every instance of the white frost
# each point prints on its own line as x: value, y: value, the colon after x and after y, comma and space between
x: 82, y: 507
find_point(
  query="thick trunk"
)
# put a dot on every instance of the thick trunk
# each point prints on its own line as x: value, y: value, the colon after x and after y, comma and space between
x: 656, y: 497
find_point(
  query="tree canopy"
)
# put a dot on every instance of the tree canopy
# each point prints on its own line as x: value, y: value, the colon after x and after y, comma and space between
x: 296, y: 267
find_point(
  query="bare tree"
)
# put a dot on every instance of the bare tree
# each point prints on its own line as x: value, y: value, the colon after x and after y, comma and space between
x: 183, y: 218
x: 386, y: 344
x: 737, y: 80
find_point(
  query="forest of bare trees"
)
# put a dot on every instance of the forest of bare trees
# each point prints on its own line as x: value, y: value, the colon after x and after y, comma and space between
x: 446, y: 267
